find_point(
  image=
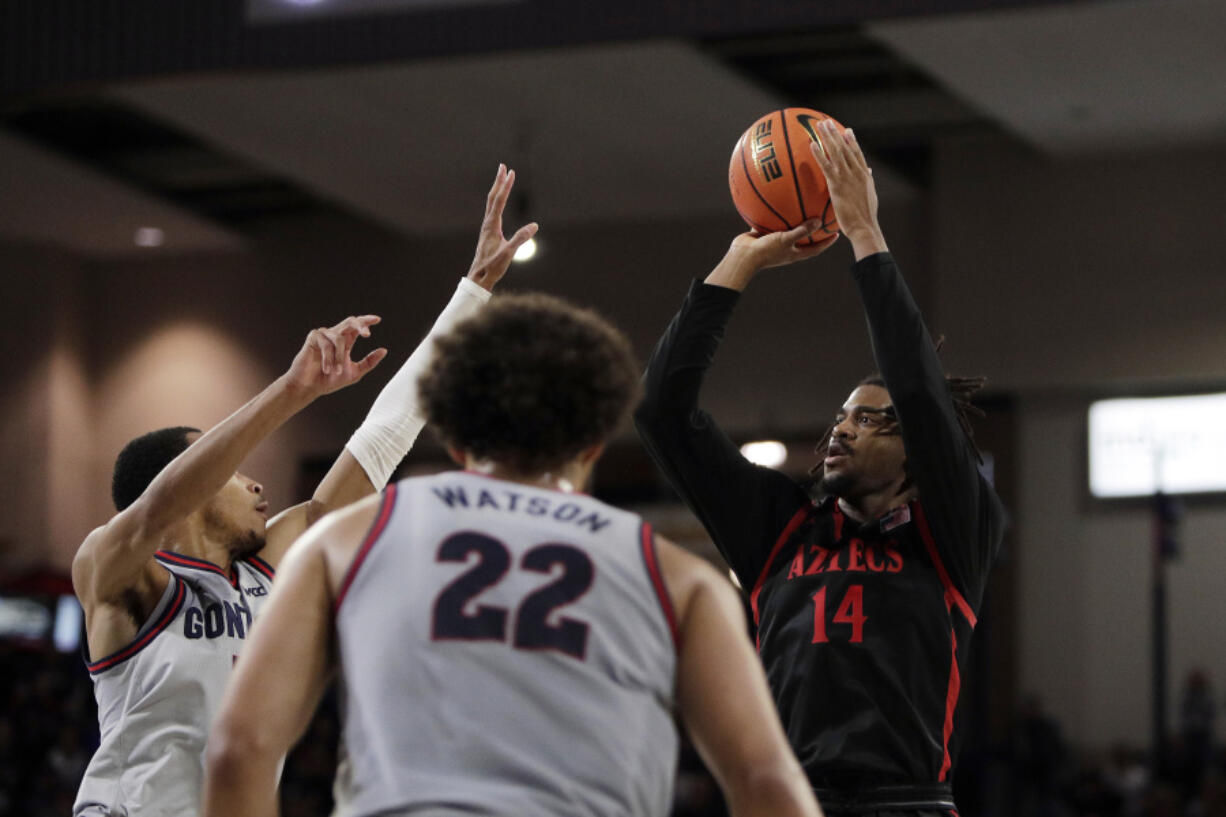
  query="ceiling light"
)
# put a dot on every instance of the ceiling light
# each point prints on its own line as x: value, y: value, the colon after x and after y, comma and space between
x: 526, y: 250
x: 149, y: 237
x: 770, y: 453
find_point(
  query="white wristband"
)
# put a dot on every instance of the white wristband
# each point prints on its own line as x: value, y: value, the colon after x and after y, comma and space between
x: 396, y: 417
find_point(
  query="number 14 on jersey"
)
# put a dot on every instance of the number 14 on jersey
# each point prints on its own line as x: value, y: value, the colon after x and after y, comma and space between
x: 849, y: 611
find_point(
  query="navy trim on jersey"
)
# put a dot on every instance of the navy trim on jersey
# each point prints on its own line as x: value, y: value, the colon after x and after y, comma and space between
x: 652, y: 563
x: 264, y: 567
x: 376, y: 529
x: 197, y: 564
x: 143, y: 641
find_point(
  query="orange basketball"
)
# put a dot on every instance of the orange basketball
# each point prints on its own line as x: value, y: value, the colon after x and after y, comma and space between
x: 776, y: 183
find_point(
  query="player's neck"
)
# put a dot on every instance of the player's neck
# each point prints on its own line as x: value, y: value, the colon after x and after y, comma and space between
x: 192, y: 539
x: 569, y: 478
x: 876, y: 505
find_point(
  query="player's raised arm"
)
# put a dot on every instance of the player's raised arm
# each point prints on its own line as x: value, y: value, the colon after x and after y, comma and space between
x: 941, y: 459
x: 395, y: 419
x: 114, y: 556
x: 743, y: 506
x: 723, y: 697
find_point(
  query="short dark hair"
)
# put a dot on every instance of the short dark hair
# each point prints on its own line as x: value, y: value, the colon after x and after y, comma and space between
x: 529, y: 383
x: 142, y: 459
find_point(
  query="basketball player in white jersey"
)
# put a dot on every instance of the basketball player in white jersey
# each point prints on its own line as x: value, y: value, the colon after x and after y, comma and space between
x: 504, y: 643
x: 171, y: 585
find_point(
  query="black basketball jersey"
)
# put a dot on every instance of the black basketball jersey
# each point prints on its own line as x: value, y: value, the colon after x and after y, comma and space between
x: 864, y: 639
x: 863, y: 629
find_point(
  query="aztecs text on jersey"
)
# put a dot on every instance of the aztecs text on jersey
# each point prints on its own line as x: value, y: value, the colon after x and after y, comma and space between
x: 857, y: 619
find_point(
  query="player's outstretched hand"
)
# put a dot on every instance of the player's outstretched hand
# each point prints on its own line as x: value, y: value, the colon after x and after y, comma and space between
x: 850, y: 181
x: 751, y: 253
x: 779, y: 249
x: 494, y: 251
x: 323, y: 364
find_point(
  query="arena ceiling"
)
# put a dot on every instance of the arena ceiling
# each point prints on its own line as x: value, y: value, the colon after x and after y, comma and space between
x: 208, y: 119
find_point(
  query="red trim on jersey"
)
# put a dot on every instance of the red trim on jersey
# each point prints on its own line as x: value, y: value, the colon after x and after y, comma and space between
x: 262, y: 566
x: 788, y: 530
x: 930, y: 543
x: 657, y: 581
x: 197, y: 564
x: 952, y: 598
x: 376, y: 529
x: 951, y: 701
x: 838, y: 521
x: 142, y: 642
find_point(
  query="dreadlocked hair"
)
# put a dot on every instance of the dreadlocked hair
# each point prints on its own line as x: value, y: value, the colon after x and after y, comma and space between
x: 961, y: 390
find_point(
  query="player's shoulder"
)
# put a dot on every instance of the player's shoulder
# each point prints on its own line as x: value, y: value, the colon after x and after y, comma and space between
x: 687, y: 575
x: 101, y: 571
x: 353, y: 519
x: 336, y: 537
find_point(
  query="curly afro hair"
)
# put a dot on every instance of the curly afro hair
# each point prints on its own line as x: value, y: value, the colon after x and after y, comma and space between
x: 529, y: 383
x: 142, y: 459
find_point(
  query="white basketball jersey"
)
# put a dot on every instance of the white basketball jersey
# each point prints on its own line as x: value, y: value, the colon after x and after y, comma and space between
x: 158, y: 695
x: 507, y: 650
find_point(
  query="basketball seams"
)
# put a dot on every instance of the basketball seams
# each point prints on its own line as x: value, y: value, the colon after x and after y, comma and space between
x: 787, y: 142
x: 749, y: 179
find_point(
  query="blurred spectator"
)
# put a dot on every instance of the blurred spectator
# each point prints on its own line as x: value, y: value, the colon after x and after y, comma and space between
x: 1196, y: 713
x: 1128, y: 777
x: 1039, y: 760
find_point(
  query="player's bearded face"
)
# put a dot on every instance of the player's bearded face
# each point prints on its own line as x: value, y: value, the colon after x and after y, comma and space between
x: 236, y: 516
x: 865, y: 454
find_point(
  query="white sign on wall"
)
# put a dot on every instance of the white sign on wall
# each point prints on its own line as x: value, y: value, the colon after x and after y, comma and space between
x: 1140, y: 445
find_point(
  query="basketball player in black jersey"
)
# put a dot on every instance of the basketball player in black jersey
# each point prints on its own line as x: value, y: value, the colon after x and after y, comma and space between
x: 865, y: 601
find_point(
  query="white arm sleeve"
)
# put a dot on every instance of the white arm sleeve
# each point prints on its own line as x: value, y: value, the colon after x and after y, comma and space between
x: 395, y: 419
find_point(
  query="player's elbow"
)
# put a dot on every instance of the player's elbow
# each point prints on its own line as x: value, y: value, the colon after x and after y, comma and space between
x: 240, y: 773
x: 647, y: 413
x: 233, y: 751
x: 655, y: 419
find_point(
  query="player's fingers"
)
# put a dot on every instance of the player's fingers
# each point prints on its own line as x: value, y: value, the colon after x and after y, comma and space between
x: 522, y: 235
x: 370, y: 361
x: 365, y: 322
x: 337, y: 349
x: 857, y: 154
x: 819, y: 153
x: 493, y: 194
x: 789, y: 238
x: 834, y: 144
x: 316, y: 341
x: 508, y: 248
x: 504, y: 191
x: 811, y: 250
x: 358, y: 325
x: 347, y: 328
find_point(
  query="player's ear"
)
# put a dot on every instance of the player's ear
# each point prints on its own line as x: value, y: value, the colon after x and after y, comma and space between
x: 457, y: 456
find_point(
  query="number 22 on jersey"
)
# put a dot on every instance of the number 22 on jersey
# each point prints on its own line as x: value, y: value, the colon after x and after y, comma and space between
x: 532, y: 629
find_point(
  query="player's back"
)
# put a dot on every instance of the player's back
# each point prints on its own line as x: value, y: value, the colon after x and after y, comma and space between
x: 505, y: 649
